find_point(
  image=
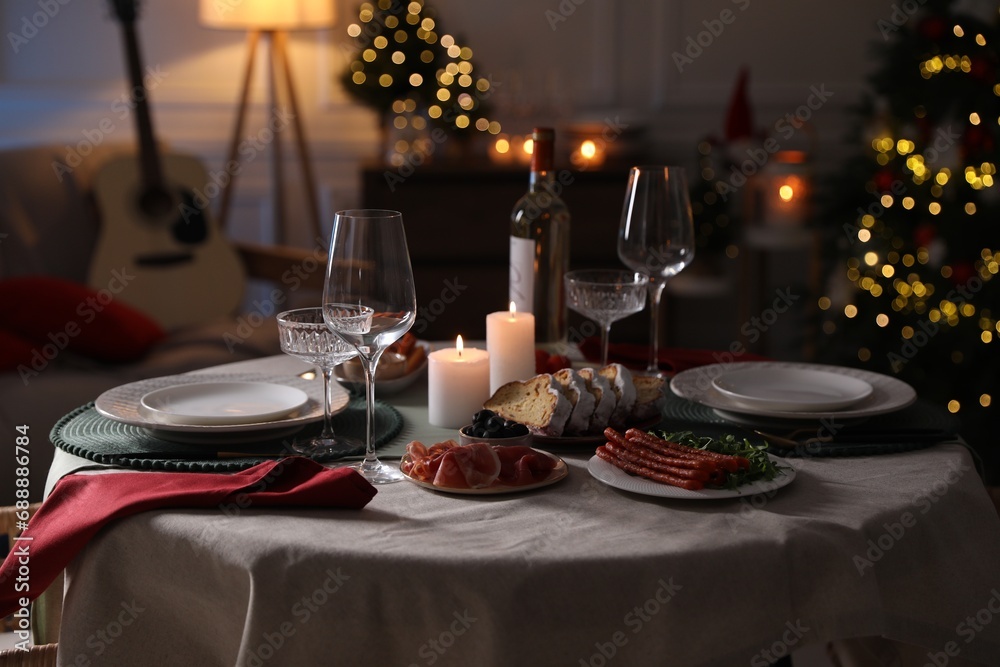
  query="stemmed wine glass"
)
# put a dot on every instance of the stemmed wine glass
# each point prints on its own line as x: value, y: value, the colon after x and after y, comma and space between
x: 370, y: 302
x: 605, y: 296
x: 303, y: 333
x: 656, y: 235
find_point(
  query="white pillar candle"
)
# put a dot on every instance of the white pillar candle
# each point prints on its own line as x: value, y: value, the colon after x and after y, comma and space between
x: 510, y: 340
x: 458, y: 383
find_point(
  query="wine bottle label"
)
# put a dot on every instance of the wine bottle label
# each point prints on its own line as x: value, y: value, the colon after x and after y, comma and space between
x: 522, y: 273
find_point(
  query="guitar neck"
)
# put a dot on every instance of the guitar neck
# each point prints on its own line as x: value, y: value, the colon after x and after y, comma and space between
x: 152, y: 173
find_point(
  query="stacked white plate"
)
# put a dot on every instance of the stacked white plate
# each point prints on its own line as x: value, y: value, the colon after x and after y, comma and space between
x: 748, y: 391
x: 201, y: 407
x: 222, y: 403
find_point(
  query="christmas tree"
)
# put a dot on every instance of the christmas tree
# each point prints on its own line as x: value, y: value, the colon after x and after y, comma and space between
x: 914, y: 219
x: 414, y: 74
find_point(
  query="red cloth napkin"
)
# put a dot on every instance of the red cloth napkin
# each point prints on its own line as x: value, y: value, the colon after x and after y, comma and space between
x: 80, y: 505
x: 671, y: 359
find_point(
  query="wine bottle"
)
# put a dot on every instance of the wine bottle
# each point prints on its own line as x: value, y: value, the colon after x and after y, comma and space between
x: 539, y: 245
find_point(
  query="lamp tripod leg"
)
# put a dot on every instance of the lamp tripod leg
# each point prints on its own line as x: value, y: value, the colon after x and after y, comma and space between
x: 308, y: 179
x: 253, y: 38
x: 277, y: 159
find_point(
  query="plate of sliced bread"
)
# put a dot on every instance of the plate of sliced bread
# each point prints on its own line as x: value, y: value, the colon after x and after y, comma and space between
x: 574, y: 406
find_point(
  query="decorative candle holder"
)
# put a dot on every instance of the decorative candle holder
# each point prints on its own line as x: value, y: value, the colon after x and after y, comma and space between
x: 783, y: 190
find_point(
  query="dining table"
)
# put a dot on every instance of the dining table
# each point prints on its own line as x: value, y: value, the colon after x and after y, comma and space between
x: 900, y: 545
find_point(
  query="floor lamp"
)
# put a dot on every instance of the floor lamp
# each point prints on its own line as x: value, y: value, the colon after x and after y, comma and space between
x: 271, y: 19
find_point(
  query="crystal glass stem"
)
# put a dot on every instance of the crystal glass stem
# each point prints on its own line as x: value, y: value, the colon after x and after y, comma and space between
x: 655, y: 287
x: 370, y: 466
x: 327, y: 402
x: 605, y: 334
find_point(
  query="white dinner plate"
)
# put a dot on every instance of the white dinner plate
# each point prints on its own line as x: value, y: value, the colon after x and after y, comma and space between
x: 698, y: 384
x: 791, y: 389
x: 222, y: 403
x: 559, y: 472
x: 123, y: 404
x: 619, y: 479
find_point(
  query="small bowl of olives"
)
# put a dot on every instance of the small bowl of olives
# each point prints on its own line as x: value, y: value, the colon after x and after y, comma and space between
x: 491, y: 428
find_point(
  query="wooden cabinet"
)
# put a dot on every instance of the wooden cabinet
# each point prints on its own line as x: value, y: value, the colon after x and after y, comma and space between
x: 457, y: 219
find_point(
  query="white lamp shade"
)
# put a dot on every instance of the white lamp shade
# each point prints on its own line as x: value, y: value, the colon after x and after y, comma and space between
x: 267, y: 14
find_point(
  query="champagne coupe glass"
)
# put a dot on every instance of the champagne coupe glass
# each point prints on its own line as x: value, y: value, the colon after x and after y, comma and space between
x: 304, y: 334
x: 370, y: 302
x: 656, y: 235
x: 606, y: 296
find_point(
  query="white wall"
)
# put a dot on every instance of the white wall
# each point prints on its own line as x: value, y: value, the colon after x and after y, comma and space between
x: 607, y: 58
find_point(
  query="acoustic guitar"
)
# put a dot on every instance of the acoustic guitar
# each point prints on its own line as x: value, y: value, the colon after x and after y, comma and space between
x: 156, y: 237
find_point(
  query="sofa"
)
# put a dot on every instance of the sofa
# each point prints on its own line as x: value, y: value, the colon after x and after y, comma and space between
x: 56, y: 357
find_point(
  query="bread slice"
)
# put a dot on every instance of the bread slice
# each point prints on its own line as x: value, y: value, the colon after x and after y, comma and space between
x: 537, y: 403
x: 604, y: 399
x: 649, y: 398
x: 583, y: 402
x: 620, y: 379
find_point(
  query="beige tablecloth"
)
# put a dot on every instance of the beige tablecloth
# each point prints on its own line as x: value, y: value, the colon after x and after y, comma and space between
x: 903, y: 545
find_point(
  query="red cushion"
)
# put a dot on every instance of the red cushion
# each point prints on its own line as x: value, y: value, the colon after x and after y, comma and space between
x: 14, y: 351
x: 55, y: 314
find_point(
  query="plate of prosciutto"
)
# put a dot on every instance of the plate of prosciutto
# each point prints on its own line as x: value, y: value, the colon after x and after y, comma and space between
x: 480, y: 469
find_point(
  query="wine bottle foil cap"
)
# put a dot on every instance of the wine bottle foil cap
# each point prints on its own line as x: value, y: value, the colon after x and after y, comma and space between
x: 543, y: 134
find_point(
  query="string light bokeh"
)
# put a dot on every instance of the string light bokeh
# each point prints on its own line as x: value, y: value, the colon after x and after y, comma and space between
x: 922, y: 250
x: 416, y: 75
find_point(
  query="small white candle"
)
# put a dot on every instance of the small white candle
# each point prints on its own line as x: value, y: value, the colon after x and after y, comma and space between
x: 510, y: 340
x: 458, y: 383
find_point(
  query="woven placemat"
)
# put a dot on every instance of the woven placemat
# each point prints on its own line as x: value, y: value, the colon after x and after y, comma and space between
x: 87, y: 434
x: 915, y: 427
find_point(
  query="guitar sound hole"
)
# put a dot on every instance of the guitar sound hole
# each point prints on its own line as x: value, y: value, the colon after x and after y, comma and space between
x: 155, y: 202
x: 191, y: 226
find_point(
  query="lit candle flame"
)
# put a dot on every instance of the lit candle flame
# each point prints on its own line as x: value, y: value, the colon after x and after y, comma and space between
x: 513, y: 310
x: 786, y: 192
x: 588, y: 149
x: 529, y: 146
x: 459, y: 345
